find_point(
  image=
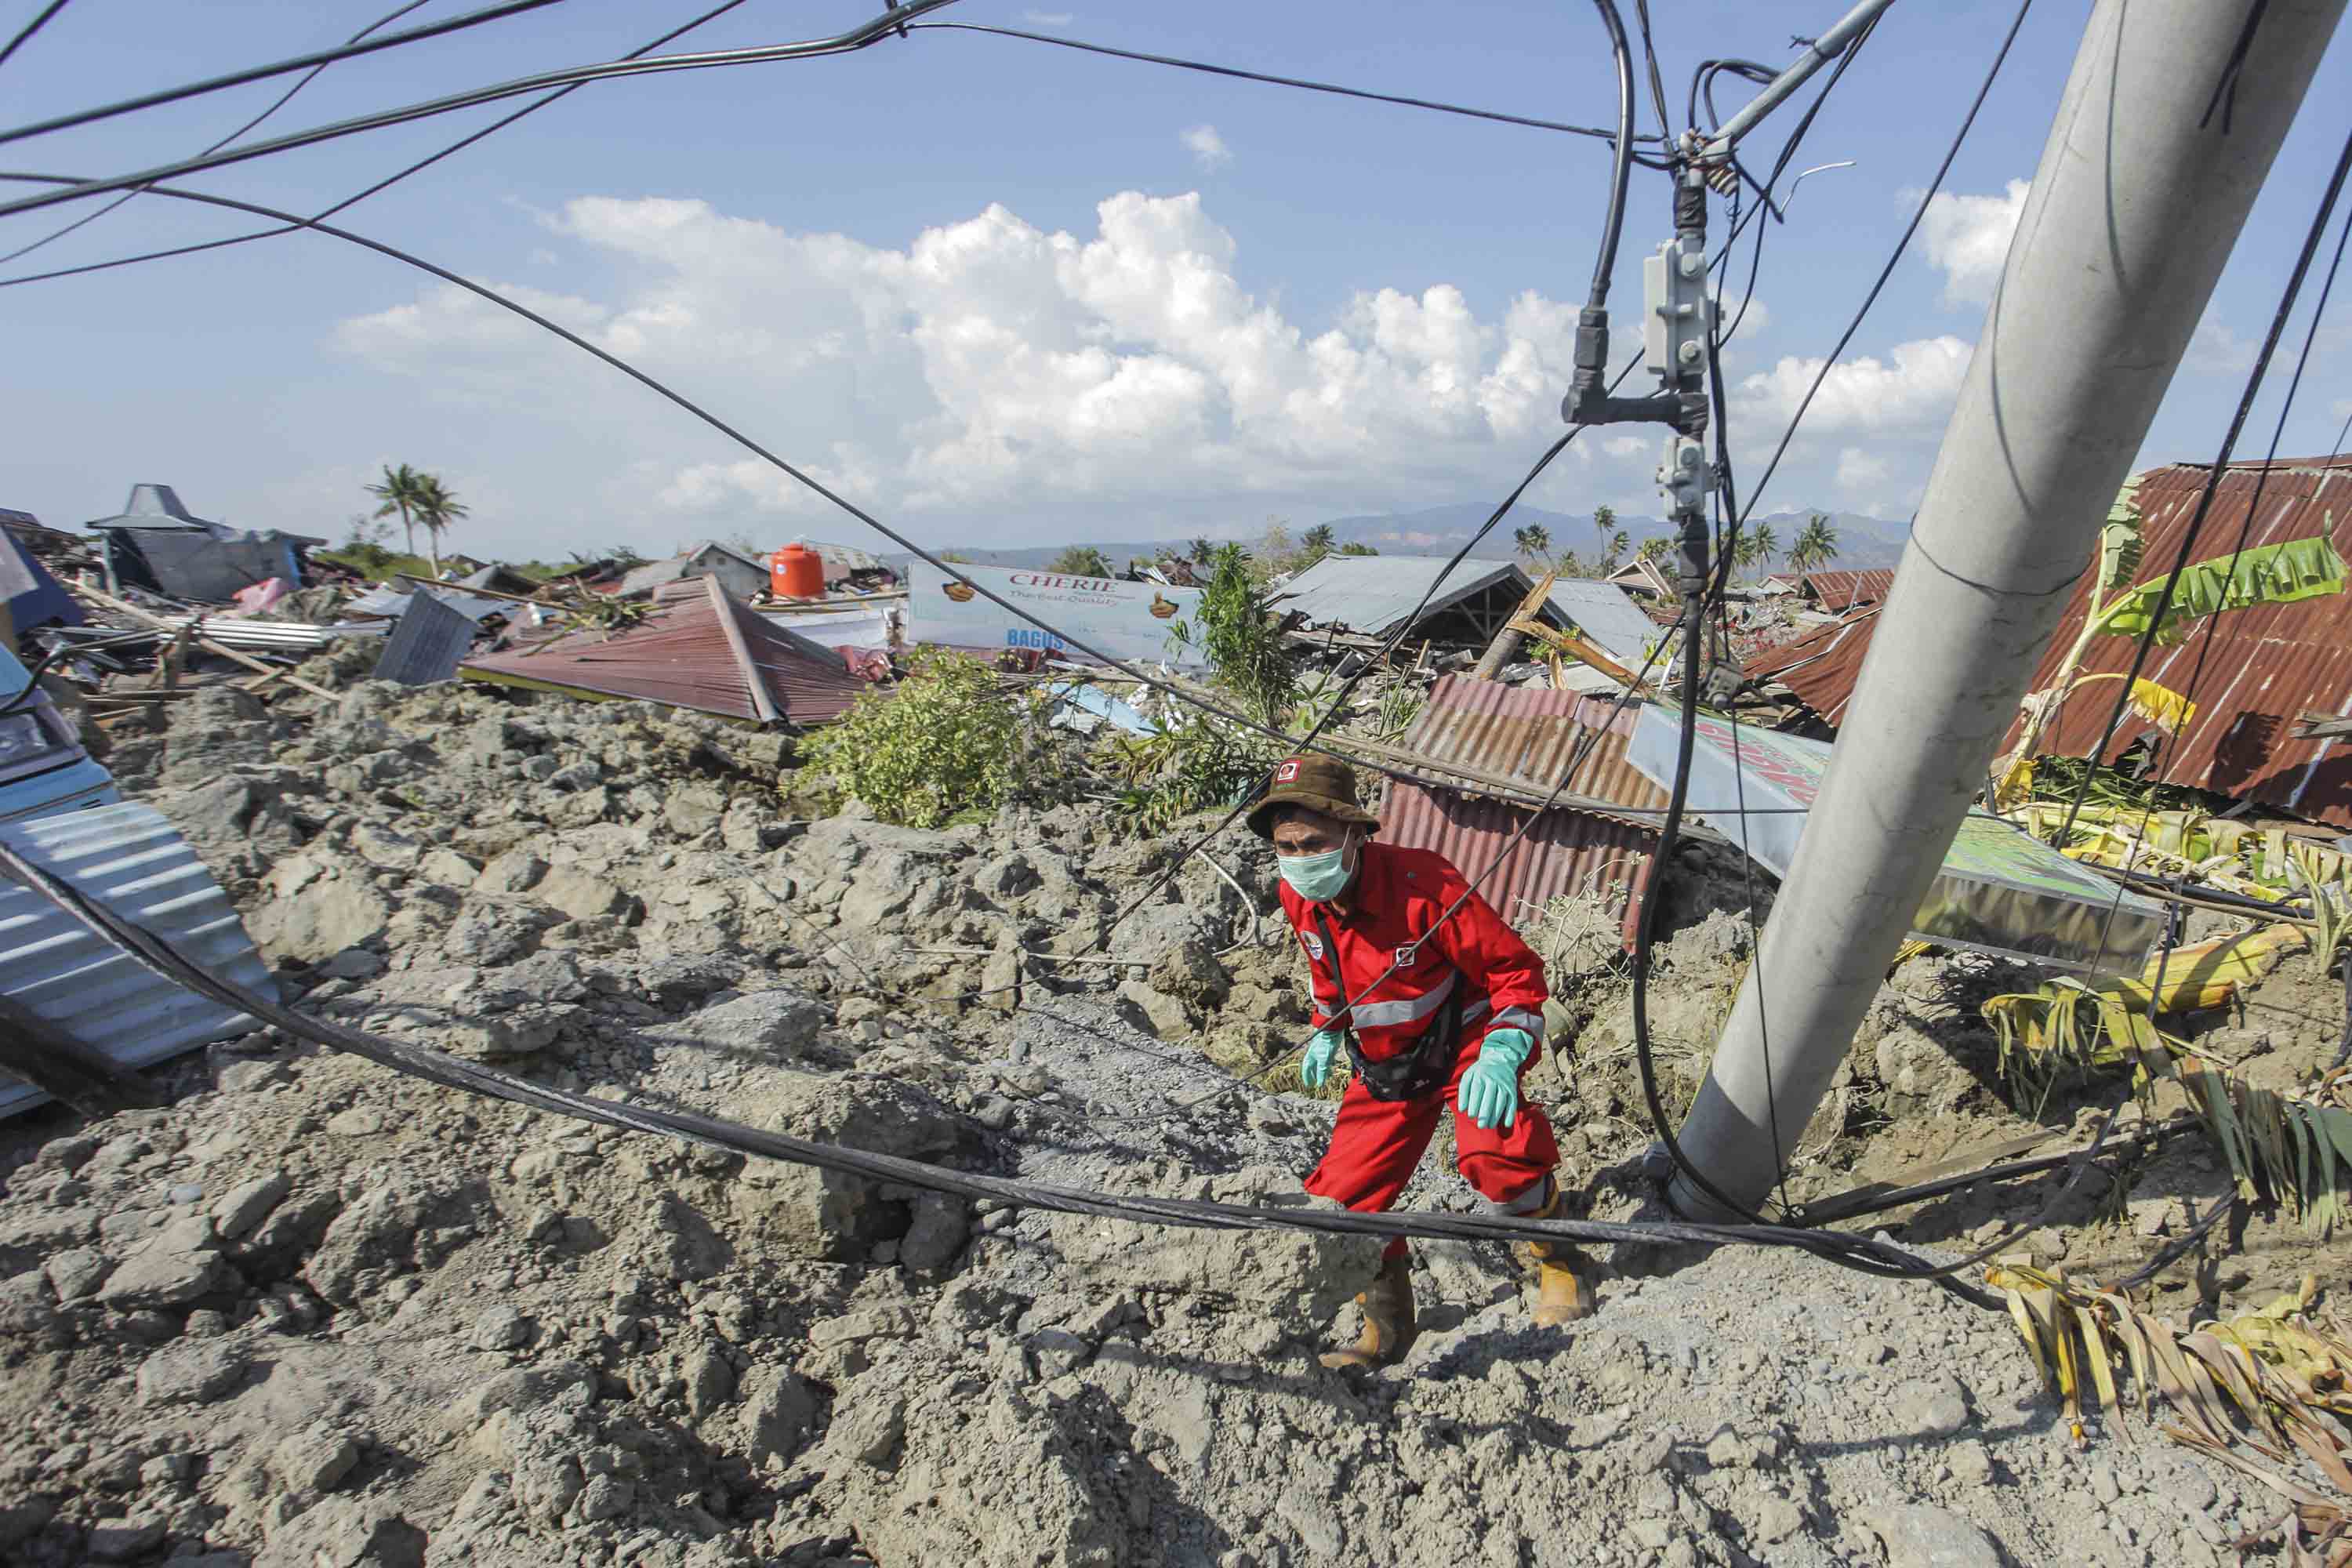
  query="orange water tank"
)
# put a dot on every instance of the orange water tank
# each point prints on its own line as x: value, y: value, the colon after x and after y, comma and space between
x: 796, y: 571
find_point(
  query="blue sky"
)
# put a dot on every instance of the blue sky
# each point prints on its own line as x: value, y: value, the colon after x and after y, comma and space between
x: 1006, y: 293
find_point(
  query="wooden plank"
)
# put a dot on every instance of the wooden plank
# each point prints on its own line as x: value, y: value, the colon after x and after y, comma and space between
x: 124, y: 607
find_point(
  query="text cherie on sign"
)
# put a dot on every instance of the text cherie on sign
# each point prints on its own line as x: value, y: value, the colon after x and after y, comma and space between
x: 952, y: 608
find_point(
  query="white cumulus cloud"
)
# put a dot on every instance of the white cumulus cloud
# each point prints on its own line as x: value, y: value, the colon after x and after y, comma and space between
x: 1208, y: 148
x: 989, y: 370
x: 1908, y: 393
x: 1968, y: 237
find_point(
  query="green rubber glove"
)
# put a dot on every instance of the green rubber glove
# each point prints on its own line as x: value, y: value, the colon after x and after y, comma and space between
x: 1315, y: 1067
x: 1489, y: 1092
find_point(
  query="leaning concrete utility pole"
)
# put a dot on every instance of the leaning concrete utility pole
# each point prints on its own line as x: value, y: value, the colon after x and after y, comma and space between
x: 2161, y: 141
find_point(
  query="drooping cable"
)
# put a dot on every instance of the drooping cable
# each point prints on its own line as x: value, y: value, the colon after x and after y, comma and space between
x: 1612, y: 224
x: 2180, y: 559
x: 497, y: 13
x: 305, y: 79
x: 24, y: 34
x: 383, y: 185
x: 861, y: 36
x: 1269, y: 77
x: 1984, y: 90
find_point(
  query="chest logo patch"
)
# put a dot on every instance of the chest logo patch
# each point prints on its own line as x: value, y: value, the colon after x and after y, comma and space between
x: 1312, y: 943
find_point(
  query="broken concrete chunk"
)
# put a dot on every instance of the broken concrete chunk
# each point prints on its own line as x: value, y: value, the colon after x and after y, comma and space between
x: 579, y: 893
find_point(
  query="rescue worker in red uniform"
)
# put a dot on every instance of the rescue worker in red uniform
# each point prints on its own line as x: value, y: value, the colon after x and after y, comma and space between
x: 1446, y: 1015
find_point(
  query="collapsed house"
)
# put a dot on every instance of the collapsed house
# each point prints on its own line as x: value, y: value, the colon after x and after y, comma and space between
x: 1506, y: 747
x: 742, y: 575
x: 700, y: 647
x: 2262, y: 669
x: 157, y: 545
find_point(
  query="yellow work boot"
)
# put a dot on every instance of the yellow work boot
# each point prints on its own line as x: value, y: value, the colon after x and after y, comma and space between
x: 1559, y: 1297
x: 1389, y: 1328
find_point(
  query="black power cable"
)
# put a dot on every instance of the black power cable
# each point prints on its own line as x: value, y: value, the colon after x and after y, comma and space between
x: 497, y: 13
x: 1604, y: 266
x: 1887, y: 271
x: 24, y: 34
x: 1687, y: 739
x: 386, y: 20
x: 386, y: 183
x: 2279, y: 318
x: 1269, y: 77
x: 434, y: 1067
x: 861, y: 36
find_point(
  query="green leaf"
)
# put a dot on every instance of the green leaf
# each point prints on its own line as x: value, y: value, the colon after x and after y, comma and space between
x: 2267, y: 575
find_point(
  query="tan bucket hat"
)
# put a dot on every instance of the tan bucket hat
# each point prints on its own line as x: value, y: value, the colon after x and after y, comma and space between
x: 1318, y: 783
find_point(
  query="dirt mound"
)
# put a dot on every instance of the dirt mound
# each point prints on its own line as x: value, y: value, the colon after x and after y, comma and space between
x: 313, y: 1311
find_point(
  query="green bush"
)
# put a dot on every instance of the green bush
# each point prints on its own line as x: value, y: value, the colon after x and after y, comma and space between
x: 944, y: 743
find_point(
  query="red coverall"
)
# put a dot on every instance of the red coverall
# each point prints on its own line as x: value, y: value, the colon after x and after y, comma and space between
x: 1393, y: 903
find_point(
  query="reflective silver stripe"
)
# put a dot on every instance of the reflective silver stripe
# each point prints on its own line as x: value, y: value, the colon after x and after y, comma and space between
x: 1527, y: 1202
x: 1520, y: 1018
x: 1412, y: 1010
x: 1476, y: 1011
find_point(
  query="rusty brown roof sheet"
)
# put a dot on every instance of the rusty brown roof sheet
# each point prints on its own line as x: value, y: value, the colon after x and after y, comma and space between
x: 708, y: 652
x: 1820, y: 666
x: 1526, y: 736
x: 1564, y: 852
x: 1837, y: 591
x: 2268, y: 663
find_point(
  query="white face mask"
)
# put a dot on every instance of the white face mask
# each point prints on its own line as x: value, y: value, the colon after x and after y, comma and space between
x: 1319, y: 879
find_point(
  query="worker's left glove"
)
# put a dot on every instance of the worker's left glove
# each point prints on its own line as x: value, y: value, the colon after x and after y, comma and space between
x: 1489, y: 1092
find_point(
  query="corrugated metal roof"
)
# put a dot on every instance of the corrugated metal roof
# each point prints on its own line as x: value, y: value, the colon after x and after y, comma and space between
x: 1564, y: 852
x: 1842, y: 591
x: 1374, y: 593
x: 427, y: 643
x: 1642, y: 572
x: 132, y: 860
x: 1526, y: 736
x: 2268, y: 664
x: 712, y: 653
x: 1820, y: 666
x: 698, y: 561
x: 1608, y: 617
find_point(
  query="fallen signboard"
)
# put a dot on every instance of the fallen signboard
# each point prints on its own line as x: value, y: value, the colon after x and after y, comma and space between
x: 1124, y: 620
x: 2000, y: 891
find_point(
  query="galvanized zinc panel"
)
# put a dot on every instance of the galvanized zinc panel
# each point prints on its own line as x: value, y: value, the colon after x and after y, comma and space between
x: 133, y: 861
x: 1374, y: 593
x: 426, y: 645
x: 1608, y: 617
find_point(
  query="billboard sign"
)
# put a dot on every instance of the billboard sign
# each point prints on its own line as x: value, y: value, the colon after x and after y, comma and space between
x: 1124, y: 620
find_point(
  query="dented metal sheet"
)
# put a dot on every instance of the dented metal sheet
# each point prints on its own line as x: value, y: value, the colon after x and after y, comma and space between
x: 1565, y: 852
x: 129, y: 858
x: 2000, y: 892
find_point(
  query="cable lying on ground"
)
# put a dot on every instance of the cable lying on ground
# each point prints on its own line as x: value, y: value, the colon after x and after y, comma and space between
x: 452, y: 1072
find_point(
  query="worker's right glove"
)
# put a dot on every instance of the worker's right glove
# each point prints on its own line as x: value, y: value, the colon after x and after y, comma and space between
x: 1315, y: 1067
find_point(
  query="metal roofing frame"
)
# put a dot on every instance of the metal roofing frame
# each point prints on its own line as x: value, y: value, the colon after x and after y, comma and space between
x: 1374, y: 595
x: 135, y: 863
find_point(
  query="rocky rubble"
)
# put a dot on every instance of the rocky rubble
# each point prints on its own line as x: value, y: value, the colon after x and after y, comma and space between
x: 316, y: 1312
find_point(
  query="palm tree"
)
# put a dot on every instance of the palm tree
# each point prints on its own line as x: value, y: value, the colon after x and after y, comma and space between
x: 1816, y: 544
x: 1535, y: 543
x: 1320, y: 541
x: 1656, y: 548
x: 1202, y: 550
x: 1604, y: 522
x: 399, y: 494
x: 1614, y: 546
x: 1757, y: 545
x: 436, y: 507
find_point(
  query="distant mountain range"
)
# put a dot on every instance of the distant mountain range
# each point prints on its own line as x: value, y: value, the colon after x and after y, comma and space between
x: 1862, y: 541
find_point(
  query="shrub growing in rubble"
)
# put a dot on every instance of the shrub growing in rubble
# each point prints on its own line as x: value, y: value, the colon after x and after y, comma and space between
x: 944, y: 743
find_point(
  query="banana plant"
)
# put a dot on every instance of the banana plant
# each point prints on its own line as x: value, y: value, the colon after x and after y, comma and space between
x: 2279, y: 574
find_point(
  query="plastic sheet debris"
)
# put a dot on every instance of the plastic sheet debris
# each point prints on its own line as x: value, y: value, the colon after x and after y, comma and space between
x: 2000, y: 892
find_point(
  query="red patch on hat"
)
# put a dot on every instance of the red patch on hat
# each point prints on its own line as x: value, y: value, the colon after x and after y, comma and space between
x: 1287, y: 771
